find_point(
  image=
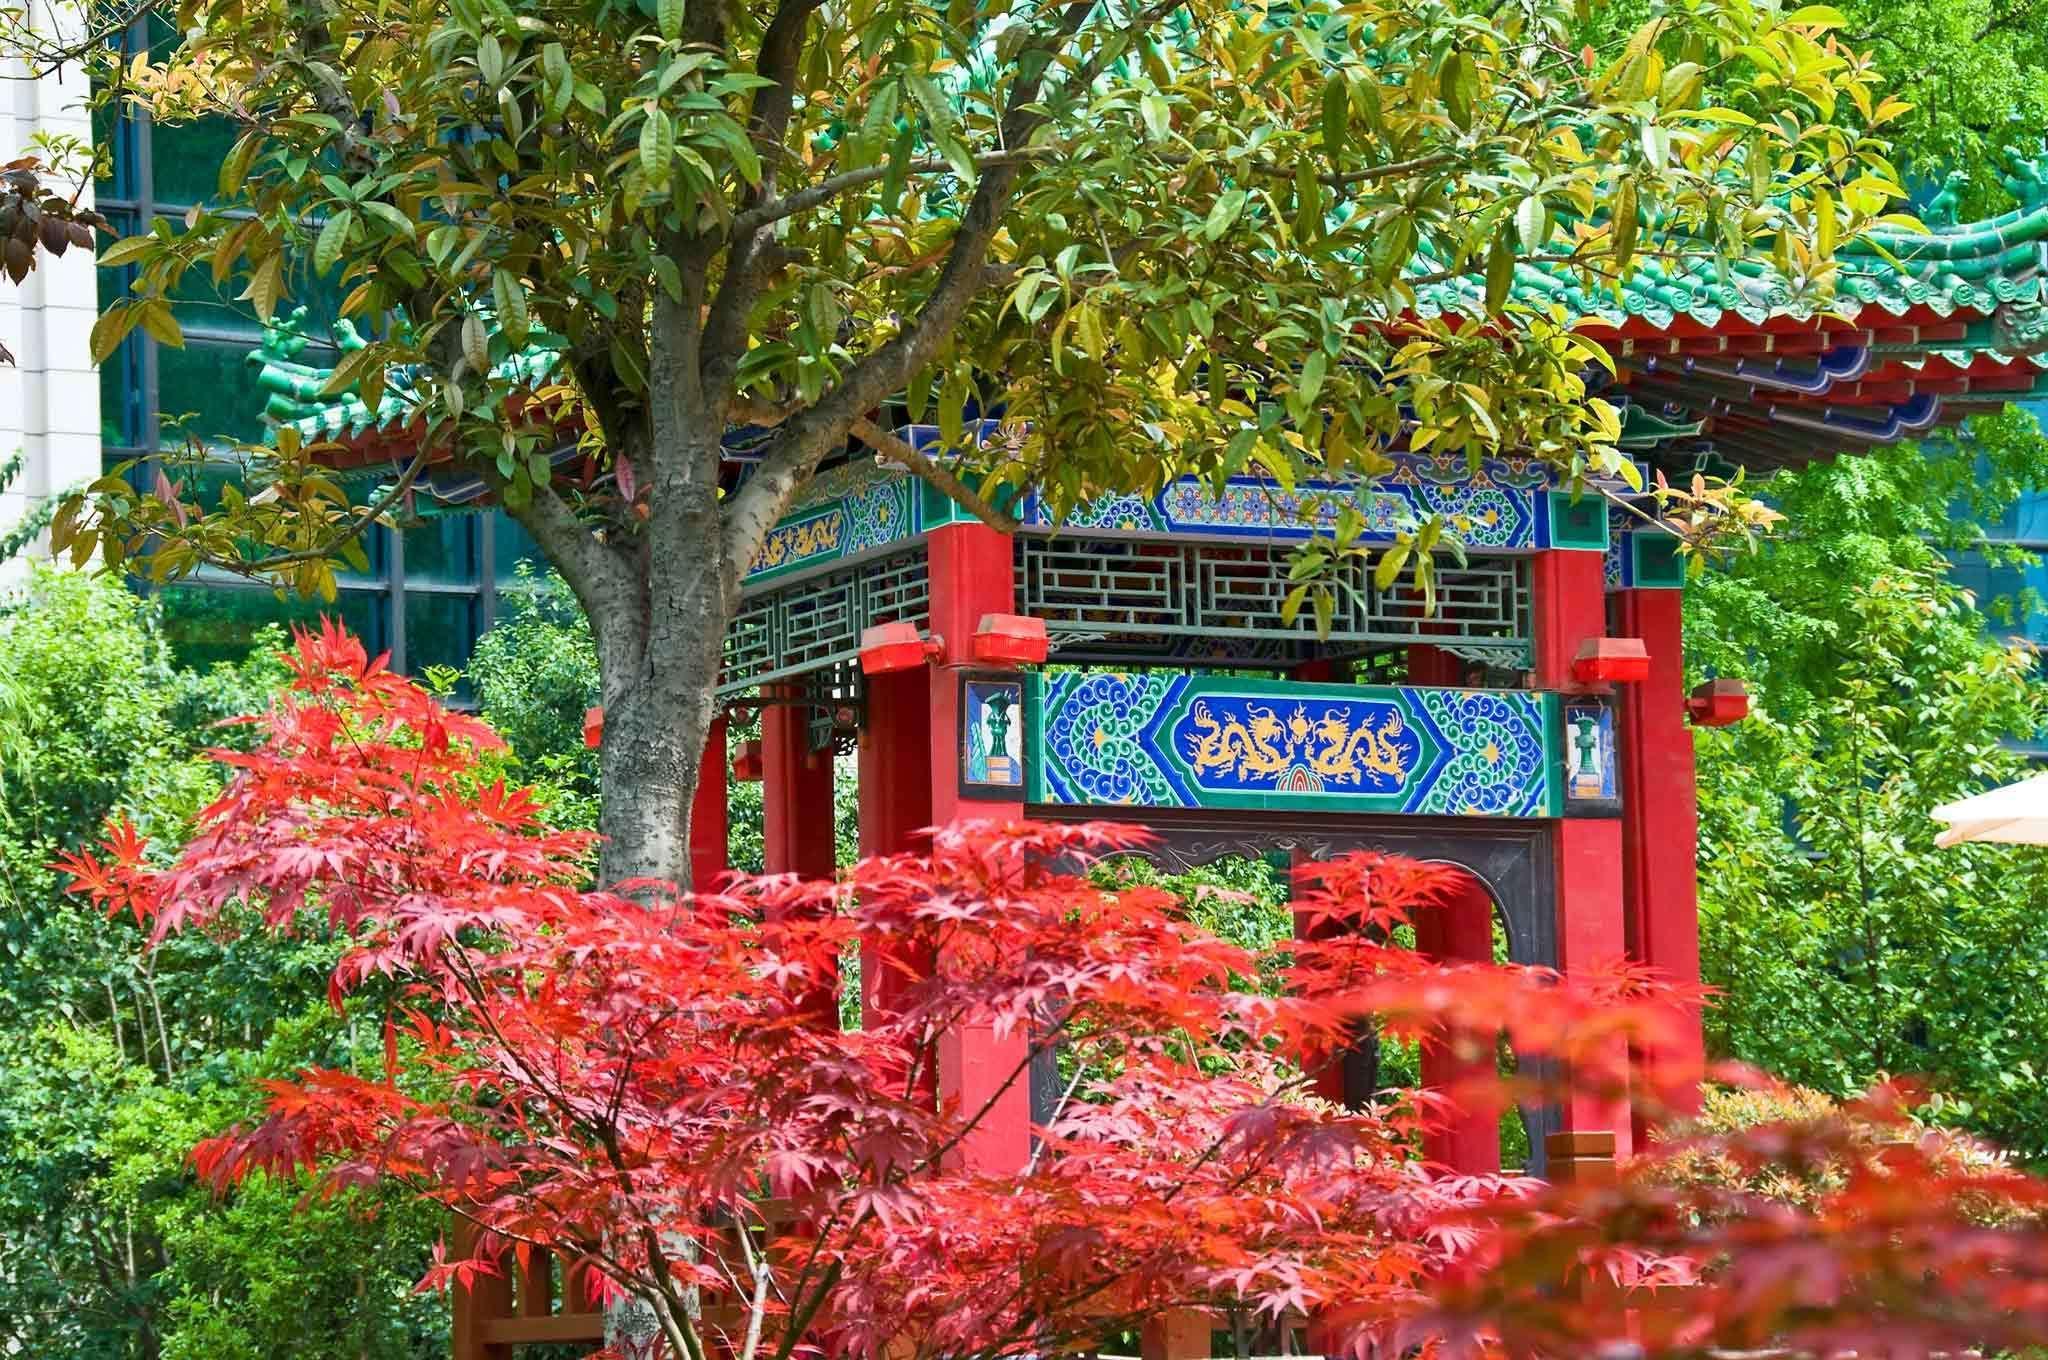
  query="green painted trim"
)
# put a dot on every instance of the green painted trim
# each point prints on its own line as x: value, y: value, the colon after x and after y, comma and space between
x: 1033, y: 719
x: 1580, y: 524
x: 1655, y: 562
x: 1553, y: 751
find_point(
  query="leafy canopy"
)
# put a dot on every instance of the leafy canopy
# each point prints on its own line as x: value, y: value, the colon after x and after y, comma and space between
x: 1169, y: 236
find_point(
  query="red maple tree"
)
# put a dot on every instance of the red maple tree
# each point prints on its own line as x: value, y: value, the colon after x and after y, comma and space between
x: 638, y: 1080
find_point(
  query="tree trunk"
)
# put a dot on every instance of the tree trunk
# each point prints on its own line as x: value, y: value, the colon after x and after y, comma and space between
x: 648, y: 765
x: 661, y: 667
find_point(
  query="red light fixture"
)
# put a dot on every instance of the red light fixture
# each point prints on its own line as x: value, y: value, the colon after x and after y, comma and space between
x: 593, y: 726
x: 897, y: 647
x: 1010, y: 640
x: 1611, y: 661
x: 747, y: 765
x: 1717, y: 703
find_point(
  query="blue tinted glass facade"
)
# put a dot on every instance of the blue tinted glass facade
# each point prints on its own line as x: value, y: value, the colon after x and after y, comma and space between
x: 2011, y: 581
x: 431, y: 587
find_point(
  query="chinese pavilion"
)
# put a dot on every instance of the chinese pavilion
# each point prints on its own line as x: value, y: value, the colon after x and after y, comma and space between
x: 1531, y: 727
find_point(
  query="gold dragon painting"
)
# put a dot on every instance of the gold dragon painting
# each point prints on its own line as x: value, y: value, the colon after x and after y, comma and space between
x: 1338, y: 746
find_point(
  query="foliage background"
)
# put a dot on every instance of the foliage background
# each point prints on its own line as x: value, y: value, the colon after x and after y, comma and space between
x: 1844, y: 943
x: 113, y: 1060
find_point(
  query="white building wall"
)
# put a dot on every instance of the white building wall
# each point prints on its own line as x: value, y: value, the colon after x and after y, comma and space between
x: 49, y: 398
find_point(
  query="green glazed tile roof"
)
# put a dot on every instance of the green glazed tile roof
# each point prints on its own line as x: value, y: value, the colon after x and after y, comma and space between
x: 1730, y: 363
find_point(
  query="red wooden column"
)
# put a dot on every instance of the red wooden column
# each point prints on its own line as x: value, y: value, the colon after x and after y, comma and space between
x: 796, y: 796
x: 796, y: 830
x: 1432, y: 667
x: 972, y: 574
x: 895, y: 764
x: 708, y: 814
x: 1660, y: 816
x: 1460, y: 931
x: 1570, y: 606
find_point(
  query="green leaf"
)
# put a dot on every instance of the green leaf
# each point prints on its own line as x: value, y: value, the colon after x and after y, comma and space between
x: 235, y: 169
x: 1336, y: 116
x: 131, y: 248
x: 1532, y: 220
x: 112, y: 328
x: 401, y: 225
x: 1460, y: 84
x: 1388, y: 570
x: 267, y: 285
x: 1500, y: 271
x: 476, y: 343
x: 333, y: 236
x: 1158, y: 118
x: 161, y: 325
x: 657, y: 148
x: 1625, y: 224
x: 1224, y: 214
x: 935, y: 105
x: 1313, y: 370
x: 1308, y: 201
x: 1817, y: 16
x: 726, y: 133
x: 629, y: 365
x: 670, y: 278
x: 510, y: 294
x: 670, y: 18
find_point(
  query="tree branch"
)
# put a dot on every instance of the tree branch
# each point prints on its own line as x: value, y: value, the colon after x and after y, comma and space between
x: 805, y: 438
x: 812, y: 195
x: 937, y: 474
x: 724, y: 338
x: 601, y: 575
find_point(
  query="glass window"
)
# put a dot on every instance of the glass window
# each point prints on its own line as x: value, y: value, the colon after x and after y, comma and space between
x: 185, y: 159
x: 209, y: 383
x: 442, y: 549
x: 206, y: 622
x: 510, y: 546
x: 452, y: 561
x: 439, y: 629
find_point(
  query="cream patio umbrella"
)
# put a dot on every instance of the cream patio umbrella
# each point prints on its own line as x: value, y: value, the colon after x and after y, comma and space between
x: 2017, y: 813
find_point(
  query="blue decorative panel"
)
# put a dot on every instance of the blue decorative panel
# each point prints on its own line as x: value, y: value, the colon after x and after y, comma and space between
x: 845, y: 511
x: 1501, y: 506
x: 1493, y: 509
x: 1165, y: 739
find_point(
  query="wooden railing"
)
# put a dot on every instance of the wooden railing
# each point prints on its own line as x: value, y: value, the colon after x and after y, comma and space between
x: 543, y: 1303
x: 548, y: 1303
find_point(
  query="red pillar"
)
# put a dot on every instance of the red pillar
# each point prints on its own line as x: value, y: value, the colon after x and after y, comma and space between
x: 1570, y: 589
x: 796, y: 808
x: 1434, y: 668
x: 796, y: 796
x: 971, y: 575
x: 1460, y: 931
x: 708, y: 814
x: 1660, y: 819
x: 895, y: 763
